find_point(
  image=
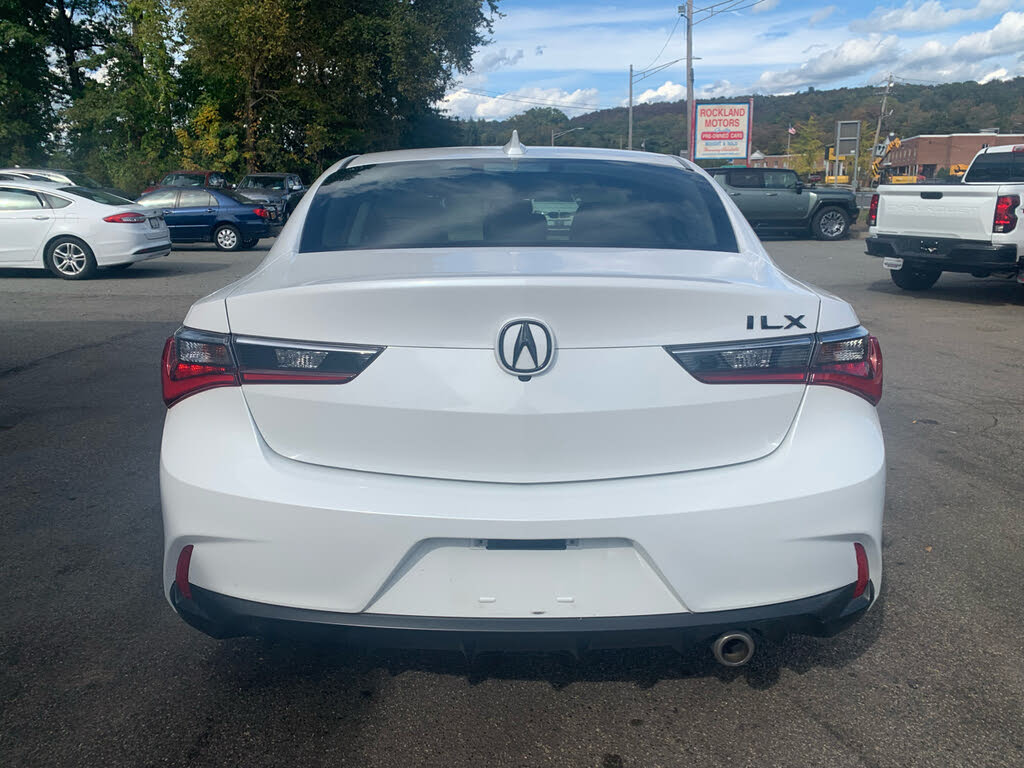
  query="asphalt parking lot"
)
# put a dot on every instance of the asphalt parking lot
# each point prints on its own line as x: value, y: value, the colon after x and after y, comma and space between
x: 96, y: 670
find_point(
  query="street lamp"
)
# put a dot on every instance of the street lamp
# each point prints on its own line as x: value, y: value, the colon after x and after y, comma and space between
x: 562, y: 133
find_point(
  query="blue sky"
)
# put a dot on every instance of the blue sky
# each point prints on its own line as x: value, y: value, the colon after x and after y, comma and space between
x: 575, y: 54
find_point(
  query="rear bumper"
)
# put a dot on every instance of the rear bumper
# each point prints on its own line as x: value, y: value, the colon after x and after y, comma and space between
x: 222, y: 616
x: 949, y: 255
x: 358, y: 546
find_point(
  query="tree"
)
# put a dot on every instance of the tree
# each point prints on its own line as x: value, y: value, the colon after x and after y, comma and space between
x: 307, y: 81
x: 122, y: 126
x: 26, y: 116
x: 808, y: 146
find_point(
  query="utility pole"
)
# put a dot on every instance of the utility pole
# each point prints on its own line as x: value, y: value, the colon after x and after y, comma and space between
x: 629, y: 140
x: 878, y: 127
x: 689, y: 78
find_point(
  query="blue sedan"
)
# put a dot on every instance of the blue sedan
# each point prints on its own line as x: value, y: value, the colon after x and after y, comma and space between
x: 220, y: 216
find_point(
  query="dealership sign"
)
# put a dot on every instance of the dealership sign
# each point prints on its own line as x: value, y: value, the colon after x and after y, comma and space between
x: 722, y: 131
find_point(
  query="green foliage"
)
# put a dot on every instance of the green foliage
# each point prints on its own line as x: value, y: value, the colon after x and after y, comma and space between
x: 26, y: 118
x: 808, y: 146
x: 121, y: 127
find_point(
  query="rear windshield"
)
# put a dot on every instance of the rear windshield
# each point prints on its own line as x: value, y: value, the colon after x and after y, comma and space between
x: 80, y: 179
x: 184, y: 180
x: 997, y: 168
x: 516, y: 202
x: 262, y: 182
x: 96, y: 195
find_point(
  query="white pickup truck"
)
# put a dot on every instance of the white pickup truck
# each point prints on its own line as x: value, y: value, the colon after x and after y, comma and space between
x: 923, y: 230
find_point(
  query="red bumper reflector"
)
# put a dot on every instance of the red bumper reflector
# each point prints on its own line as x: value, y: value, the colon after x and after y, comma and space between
x: 862, y: 569
x: 181, y: 572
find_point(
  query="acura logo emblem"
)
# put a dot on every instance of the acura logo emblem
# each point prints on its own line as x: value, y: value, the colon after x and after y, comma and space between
x: 525, y: 347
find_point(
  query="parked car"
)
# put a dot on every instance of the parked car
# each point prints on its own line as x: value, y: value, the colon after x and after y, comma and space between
x: 431, y: 417
x: 205, y: 179
x: 72, y: 231
x: 970, y: 226
x: 281, y: 190
x: 220, y: 216
x: 775, y: 200
x: 61, y: 176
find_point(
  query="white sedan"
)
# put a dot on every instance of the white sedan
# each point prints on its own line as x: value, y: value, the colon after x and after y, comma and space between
x: 72, y: 231
x: 438, y: 415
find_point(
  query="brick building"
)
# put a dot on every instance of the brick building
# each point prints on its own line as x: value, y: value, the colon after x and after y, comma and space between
x: 925, y: 155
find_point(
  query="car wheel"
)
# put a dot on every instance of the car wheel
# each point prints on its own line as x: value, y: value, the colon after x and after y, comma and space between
x: 830, y: 224
x: 226, y: 238
x: 250, y: 243
x: 914, y: 279
x: 70, y: 258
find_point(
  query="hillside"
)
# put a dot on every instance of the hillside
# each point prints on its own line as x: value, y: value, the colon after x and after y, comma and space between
x: 950, y: 108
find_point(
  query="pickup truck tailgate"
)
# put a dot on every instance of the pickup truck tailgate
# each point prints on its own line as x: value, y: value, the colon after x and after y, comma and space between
x: 959, y: 211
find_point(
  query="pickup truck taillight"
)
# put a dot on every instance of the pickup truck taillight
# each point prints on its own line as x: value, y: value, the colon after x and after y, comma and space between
x: 873, y: 211
x: 1006, y: 214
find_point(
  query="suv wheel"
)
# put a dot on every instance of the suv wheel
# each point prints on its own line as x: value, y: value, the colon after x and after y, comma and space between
x: 910, y: 279
x: 227, y: 238
x: 830, y: 223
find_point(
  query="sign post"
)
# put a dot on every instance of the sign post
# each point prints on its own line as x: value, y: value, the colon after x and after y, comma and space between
x: 848, y: 143
x: 722, y: 131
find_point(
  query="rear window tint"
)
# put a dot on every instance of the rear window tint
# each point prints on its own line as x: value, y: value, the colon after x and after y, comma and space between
x: 997, y: 168
x: 516, y: 202
x: 96, y: 195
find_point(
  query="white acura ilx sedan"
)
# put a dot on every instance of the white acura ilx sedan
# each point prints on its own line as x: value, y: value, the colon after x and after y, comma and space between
x: 522, y: 397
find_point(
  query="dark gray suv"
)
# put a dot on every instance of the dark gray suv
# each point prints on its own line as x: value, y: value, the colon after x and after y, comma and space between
x: 775, y: 200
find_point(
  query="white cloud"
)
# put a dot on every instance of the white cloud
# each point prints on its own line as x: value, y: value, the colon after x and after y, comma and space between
x: 849, y: 58
x: 465, y: 103
x: 717, y: 89
x: 488, y: 61
x: 824, y: 13
x: 930, y: 14
x: 1004, y: 38
x: 667, y: 91
x: 996, y: 74
x: 765, y: 5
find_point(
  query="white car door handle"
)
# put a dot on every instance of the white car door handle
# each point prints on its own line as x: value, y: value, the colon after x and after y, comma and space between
x: 41, y: 218
x: 772, y: 194
x: 735, y: 194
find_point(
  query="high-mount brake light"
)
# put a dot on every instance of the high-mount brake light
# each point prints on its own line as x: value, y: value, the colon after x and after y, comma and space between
x: 195, y: 361
x: 850, y: 359
x: 128, y: 217
x: 873, y: 211
x: 1005, y: 219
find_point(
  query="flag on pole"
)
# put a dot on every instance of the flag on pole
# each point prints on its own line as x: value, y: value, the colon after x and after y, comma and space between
x: 791, y: 131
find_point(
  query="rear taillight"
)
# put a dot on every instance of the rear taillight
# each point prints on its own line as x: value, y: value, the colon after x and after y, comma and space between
x: 1006, y: 214
x: 125, y: 218
x: 849, y: 359
x: 194, y: 361
x: 873, y: 211
x: 261, y: 212
x: 782, y: 361
x: 862, y: 569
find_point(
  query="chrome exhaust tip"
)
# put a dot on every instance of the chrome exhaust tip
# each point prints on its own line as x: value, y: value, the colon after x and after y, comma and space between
x: 733, y: 649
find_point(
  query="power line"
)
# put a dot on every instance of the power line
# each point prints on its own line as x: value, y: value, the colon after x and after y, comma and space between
x: 669, y: 40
